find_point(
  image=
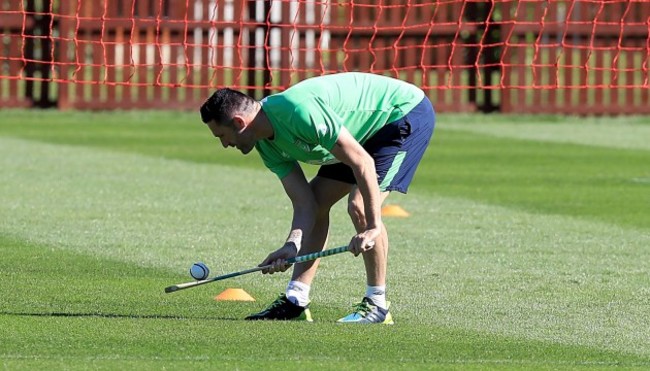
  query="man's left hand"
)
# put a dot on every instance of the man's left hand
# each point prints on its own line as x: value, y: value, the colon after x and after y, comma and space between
x: 364, y: 241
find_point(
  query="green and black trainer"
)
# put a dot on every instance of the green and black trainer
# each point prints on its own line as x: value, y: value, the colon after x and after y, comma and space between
x: 282, y: 309
x: 368, y: 312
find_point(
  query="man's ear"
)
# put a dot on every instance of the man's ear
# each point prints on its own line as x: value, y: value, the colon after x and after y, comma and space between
x: 239, y: 123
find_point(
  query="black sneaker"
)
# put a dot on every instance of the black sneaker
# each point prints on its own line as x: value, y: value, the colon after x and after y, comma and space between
x: 282, y: 309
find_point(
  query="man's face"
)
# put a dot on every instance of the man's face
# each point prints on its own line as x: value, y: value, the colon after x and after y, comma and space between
x: 231, y: 136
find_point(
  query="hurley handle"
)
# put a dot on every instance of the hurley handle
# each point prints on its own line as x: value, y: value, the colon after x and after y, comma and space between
x: 316, y: 255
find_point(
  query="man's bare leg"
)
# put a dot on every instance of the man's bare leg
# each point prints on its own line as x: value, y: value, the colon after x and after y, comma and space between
x: 327, y: 193
x: 376, y: 259
x: 294, y: 304
x: 374, y: 306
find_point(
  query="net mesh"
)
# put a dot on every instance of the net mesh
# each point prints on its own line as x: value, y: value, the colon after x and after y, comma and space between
x: 583, y: 56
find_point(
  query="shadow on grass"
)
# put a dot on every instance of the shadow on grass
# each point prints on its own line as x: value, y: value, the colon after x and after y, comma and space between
x: 114, y: 315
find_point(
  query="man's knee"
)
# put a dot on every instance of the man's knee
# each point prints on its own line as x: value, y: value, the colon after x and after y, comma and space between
x: 327, y: 193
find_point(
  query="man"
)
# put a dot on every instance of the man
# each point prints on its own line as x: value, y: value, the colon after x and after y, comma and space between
x: 367, y: 132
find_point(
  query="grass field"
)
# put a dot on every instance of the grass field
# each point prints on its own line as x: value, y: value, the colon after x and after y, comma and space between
x: 528, y: 247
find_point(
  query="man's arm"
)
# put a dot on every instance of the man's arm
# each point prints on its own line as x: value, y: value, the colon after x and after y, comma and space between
x: 350, y: 152
x: 304, y: 211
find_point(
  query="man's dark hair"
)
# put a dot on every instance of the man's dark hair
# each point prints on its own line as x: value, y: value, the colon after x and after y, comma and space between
x: 224, y: 104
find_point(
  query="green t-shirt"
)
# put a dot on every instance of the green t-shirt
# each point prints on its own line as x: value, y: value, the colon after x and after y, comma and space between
x: 307, y: 117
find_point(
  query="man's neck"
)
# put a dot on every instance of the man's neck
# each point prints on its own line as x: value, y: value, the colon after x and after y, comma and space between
x: 262, y: 124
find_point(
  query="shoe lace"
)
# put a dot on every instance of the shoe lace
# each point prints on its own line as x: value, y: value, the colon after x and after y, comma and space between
x: 363, y: 308
x: 278, y: 302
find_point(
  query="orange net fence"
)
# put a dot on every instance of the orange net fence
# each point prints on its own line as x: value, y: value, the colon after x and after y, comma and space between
x: 578, y: 57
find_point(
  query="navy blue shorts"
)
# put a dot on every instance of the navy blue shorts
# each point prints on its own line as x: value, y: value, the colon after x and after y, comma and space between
x: 397, y: 149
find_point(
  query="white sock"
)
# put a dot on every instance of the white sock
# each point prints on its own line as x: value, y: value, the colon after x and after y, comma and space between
x: 298, y: 293
x: 377, y: 294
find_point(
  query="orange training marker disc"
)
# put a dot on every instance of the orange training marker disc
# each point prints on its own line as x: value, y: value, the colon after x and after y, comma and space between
x: 235, y: 295
x: 394, y: 210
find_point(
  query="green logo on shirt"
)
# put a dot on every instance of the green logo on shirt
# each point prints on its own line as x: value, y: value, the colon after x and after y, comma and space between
x: 303, y: 146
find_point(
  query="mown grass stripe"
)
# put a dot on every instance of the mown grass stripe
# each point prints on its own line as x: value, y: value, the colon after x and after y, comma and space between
x: 543, y: 175
x: 609, y: 132
x: 128, y: 331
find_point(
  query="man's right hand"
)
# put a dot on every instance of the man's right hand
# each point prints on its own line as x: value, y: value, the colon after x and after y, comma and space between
x: 278, y: 259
